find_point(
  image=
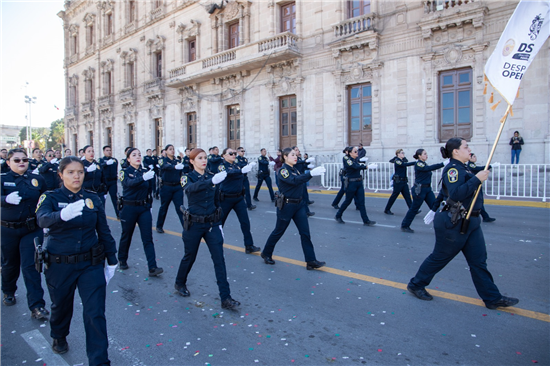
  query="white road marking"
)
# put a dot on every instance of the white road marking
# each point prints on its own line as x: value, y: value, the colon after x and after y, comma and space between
x: 332, y: 219
x: 43, y: 349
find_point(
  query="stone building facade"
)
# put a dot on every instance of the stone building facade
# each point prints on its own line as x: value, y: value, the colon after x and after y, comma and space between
x: 318, y: 74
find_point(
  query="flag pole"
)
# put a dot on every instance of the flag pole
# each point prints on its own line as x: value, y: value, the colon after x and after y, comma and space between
x: 466, y: 221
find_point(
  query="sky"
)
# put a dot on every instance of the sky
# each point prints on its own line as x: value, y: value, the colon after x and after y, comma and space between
x: 31, y: 52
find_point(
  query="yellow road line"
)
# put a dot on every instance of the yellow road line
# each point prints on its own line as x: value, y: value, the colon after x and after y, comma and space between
x: 445, y: 295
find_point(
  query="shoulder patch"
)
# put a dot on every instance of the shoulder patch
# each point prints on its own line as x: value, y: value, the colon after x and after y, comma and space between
x: 221, y: 168
x: 420, y: 164
x: 452, y: 175
x: 398, y: 162
x: 284, y: 173
x: 183, y: 180
x: 350, y: 163
x: 40, y: 200
x: 121, y: 175
x: 161, y: 161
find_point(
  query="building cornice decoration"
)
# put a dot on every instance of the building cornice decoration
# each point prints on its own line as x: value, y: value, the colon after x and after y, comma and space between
x: 107, y: 65
x: 73, y: 29
x: 88, y: 73
x: 370, y: 40
x: 156, y: 106
x: 88, y: 19
x: 128, y: 56
x: 473, y: 12
x: 73, y: 80
x: 156, y: 44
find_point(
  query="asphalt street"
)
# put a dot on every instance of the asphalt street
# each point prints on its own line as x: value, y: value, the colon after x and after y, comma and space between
x: 355, y: 311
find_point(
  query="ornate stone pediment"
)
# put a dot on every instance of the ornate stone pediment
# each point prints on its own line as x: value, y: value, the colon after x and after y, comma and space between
x: 156, y: 44
x: 129, y: 113
x: 88, y: 73
x: 473, y: 12
x: 88, y: 18
x: 73, y: 29
x: 107, y: 65
x: 156, y: 106
x: 230, y: 11
x: 73, y: 80
x: 189, y: 96
x: 366, y: 47
x: 129, y: 56
x: 285, y: 86
x: 284, y: 69
x: 188, y: 31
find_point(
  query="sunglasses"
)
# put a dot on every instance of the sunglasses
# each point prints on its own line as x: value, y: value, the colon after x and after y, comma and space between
x: 242, y: 150
x: 232, y: 153
x: 18, y: 160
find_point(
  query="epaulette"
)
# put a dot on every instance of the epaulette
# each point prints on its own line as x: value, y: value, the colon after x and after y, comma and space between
x: 87, y: 190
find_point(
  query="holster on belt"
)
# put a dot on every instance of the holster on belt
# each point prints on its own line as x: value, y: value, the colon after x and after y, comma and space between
x: 279, y: 200
x: 346, y: 182
x: 98, y: 254
x: 119, y: 202
x: 40, y: 255
x: 186, y: 218
x: 417, y: 188
x: 456, y: 210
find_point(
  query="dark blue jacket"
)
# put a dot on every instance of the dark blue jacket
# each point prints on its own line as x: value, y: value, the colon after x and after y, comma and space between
x: 353, y: 167
x: 187, y: 164
x: 93, y: 180
x: 33, y: 164
x: 168, y: 171
x: 474, y: 168
x: 263, y: 165
x: 201, y: 193
x: 214, y: 162
x: 233, y: 183
x: 401, y: 165
x: 110, y: 172
x: 29, y: 186
x: 134, y: 188
x: 423, y: 172
x: 460, y: 184
x: 80, y: 234
x: 48, y: 171
x: 149, y: 160
x: 291, y: 181
x: 124, y: 164
x: 301, y: 165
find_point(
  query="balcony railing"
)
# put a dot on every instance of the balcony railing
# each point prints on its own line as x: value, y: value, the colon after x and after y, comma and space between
x: 219, y: 58
x: 437, y: 5
x: 178, y: 71
x: 354, y: 25
x: 155, y: 13
x: 286, y: 39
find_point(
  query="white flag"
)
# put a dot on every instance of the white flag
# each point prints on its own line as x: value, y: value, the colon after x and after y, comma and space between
x: 524, y: 35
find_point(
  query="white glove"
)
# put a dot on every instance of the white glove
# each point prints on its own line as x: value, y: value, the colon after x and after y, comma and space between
x: 320, y: 170
x: 2, y: 161
x: 429, y: 217
x: 104, y: 197
x: 446, y: 161
x: 109, y: 272
x: 151, y: 166
x: 253, y: 164
x: 495, y: 164
x: 158, y: 166
x: 271, y: 163
x: 83, y: 158
x: 219, y: 177
x: 246, y: 169
x: 364, y: 159
x: 310, y: 160
x: 53, y: 161
x: 373, y: 166
x: 110, y: 161
x: 91, y: 168
x: 36, y: 172
x: 179, y: 166
x: 149, y: 175
x: 13, y: 198
x: 311, y: 166
x: 72, y: 210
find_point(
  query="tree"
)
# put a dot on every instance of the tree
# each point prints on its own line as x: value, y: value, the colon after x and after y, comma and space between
x: 57, y: 134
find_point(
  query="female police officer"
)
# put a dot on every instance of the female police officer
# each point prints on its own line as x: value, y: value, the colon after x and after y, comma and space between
x: 20, y: 193
x: 460, y: 185
x: 400, y: 180
x: 342, y: 175
x: 136, y: 202
x: 232, y: 195
x: 170, y: 191
x: 48, y: 171
x: 355, y: 188
x: 292, y: 206
x: 79, y: 241
x: 203, y: 221
x: 422, y: 189
x: 94, y: 180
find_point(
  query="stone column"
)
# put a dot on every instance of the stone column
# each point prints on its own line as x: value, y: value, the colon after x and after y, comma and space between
x: 479, y: 103
x: 430, y: 114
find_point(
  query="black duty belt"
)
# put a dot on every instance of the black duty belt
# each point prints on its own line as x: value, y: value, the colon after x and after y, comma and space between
x: 202, y: 219
x: 170, y: 184
x: 476, y: 213
x: 425, y: 185
x: 232, y: 195
x: 398, y: 179
x: 70, y: 259
x: 135, y: 203
x: 20, y: 224
x: 355, y: 179
x: 293, y: 200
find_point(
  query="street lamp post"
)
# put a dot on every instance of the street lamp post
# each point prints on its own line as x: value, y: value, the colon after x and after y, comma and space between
x: 29, y: 100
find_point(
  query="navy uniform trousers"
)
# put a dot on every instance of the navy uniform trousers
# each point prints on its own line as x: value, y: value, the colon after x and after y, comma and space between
x: 62, y: 280
x: 246, y: 185
x: 18, y: 255
x: 355, y: 191
x: 448, y: 243
x: 341, y: 193
x: 399, y: 188
x: 141, y: 215
x: 298, y: 213
x: 426, y: 195
x: 112, y: 190
x: 170, y: 194
x: 268, y: 183
x: 213, y: 236
x: 239, y: 206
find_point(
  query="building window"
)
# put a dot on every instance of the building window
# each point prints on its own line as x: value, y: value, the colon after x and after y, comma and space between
x: 110, y: 136
x: 73, y: 44
x: 360, y: 114
x: 75, y: 144
x: 108, y: 83
x: 192, y: 49
x: 89, y: 35
x: 131, y: 11
x: 130, y: 74
x: 131, y: 135
x: 91, y: 138
x: 233, y: 126
x: 157, y: 4
x: 158, y: 65
x: 287, y: 121
x: 158, y: 134
x: 455, y: 100
x: 109, y: 24
x: 358, y: 8
x: 72, y: 96
x: 288, y: 18
x: 191, y: 130
x: 233, y: 35
x: 89, y: 92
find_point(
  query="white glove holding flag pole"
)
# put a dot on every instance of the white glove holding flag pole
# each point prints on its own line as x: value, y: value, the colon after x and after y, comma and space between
x: 310, y: 160
x: 364, y: 159
x: 13, y: 198
x: 373, y: 166
x: 110, y: 161
x: 429, y: 217
x: 149, y: 175
x: 72, y: 210
x: 35, y: 172
x: 320, y: 170
x: 271, y: 163
x: 91, y: 168
x: 109, y: 272
x: 311, y: 166
x: 219, y: 177
x: 247, y: 168
x: 179, y: 166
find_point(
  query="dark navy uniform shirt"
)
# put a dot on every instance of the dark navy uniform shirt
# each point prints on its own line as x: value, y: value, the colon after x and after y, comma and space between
x: 291, y: 181
x: 48, y: 171
x: 423, y: 172
x: 474, y: 168
x: 124, y: 163
x: 401, y: 165
x: 187, y: 164
x: 134, y: 188
x: 233, y: 183
x: 4, y: 167
x: 301, y: 165
x: 353, y: 167
x: 33, y: 164
x: 461, y: 183
x: 30, y: 187
x: 214, y: 162
x: 93, y: 180
x: 110, y: 172
x: 201, y: 193
x: 149, y: 160
x: 168, y: 171
x: 80, y: 234
x: 242, y: 162
x: 263, y: 165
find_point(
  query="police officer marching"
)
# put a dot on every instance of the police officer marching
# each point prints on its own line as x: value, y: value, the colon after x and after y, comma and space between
x: 264, y: 175
x: 94, y: 180
x: 123, y: 163
x: 214, y: 159
x: 150, y: 163
x: 422, y: 189
x: 203, y: 221
x: 170, y: 190
x: 476, y: 169
x: 242, y: 162
x: 460, y: 185
x: 20, y: 193
x: 136, y: 203
x: 301, y: 166
x: 342, y: 175
x: 400, y: 180
x: 36, y: 160
x: 291, y: 205
x: 232, y: 195
x: 48, y: 171
x: 3, y: 165
x: 110, y: 172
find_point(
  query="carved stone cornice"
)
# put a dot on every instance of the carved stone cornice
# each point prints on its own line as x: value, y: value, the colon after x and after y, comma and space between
x: 473, y: 12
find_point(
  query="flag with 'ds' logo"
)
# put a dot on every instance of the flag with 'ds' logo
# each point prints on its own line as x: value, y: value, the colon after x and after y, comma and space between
x: 523, y: 37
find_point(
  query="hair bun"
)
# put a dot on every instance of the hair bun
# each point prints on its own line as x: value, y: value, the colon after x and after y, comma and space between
x: 444, y: 152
